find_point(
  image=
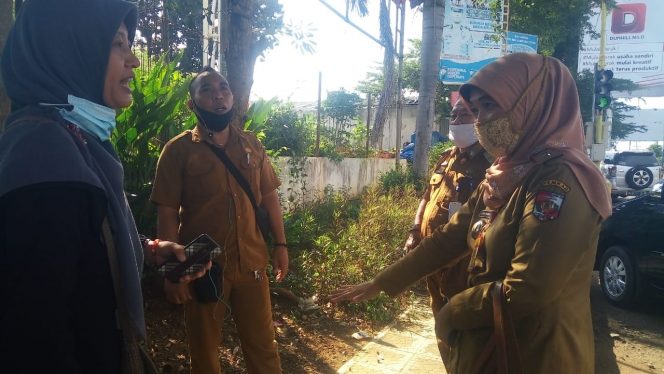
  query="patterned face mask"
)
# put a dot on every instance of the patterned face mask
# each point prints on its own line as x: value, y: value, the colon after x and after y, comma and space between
x: 497, y: 136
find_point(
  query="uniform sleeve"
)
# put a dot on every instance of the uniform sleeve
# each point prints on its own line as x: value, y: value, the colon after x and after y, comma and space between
x: 167, y: 186
x: 547, y: 253
x: 269, y: 179
x: 442, y: 249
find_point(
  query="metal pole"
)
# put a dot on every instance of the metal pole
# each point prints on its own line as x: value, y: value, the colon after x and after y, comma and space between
x: 368, y: 120
x: 599, y: 115
x: 401, y: 10
x: 320, y: 83
x: 351, y: 23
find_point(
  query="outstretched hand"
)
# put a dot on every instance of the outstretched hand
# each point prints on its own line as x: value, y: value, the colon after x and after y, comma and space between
x: 355, y: 293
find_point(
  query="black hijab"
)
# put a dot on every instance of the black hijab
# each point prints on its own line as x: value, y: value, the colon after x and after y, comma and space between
x: 57, y: 48
x: 61, y: 47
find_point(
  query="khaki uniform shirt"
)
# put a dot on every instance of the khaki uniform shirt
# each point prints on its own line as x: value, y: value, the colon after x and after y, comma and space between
x: 542, y: 244
x: 191, y: 178
x: 454, y: 178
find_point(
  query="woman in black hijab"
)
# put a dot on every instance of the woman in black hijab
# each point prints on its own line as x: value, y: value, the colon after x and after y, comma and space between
x: 66, y: 68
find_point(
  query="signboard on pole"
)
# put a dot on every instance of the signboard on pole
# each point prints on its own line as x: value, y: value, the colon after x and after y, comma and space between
x: 634, y: 42
x: 470, y: 40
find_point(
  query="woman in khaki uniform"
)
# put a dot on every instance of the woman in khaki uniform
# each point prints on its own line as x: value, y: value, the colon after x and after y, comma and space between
x: 532, y: 225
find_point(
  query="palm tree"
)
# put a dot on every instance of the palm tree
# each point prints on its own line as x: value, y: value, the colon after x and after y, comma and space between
x: 385, y: 98
x: 432, y: 31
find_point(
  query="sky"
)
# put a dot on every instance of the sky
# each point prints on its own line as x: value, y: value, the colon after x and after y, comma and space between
x: 343, y: 54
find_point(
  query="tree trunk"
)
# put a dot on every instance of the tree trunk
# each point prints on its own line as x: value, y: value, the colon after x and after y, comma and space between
x: 6, y: 21
x: 385, y: 99
x: 241, y: 55
x: 432, y: 33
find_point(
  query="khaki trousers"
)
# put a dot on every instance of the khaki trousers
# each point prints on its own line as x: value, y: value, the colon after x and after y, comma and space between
x: 249, y: 300
x: 442, y: 285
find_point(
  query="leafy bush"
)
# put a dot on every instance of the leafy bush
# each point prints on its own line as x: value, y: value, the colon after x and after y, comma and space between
x: 286, y: 129
x: 339, y: 240
x: 158, y: 113
x: 399, y: 180
x: 437, y: 150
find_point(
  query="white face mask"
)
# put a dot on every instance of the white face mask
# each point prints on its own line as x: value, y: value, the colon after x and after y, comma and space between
x: 463, y: 135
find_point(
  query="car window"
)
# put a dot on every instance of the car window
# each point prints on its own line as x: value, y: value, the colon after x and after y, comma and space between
x: 635, y: 159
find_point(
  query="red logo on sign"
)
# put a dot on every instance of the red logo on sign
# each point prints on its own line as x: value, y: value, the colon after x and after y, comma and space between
x: 628, y: 19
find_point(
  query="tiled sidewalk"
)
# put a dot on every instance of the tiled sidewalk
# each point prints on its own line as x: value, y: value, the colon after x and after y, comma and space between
x: 407, y: 346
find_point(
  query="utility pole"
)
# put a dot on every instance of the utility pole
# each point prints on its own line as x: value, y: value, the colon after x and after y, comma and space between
x: 400, y: 21
x: 599, y: 120
x: 318, y: 110
x: 602, y: 95
x: 368, y: 121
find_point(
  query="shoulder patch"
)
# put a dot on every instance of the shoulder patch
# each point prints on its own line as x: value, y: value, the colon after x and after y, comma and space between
x: 547, y: 205
x: 556, y: 183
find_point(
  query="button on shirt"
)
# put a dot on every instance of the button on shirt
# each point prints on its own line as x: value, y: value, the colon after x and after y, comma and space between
x: 191, y: 178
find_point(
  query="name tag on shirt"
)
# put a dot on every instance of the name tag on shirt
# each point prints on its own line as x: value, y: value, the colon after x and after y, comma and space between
x: 453, y: 208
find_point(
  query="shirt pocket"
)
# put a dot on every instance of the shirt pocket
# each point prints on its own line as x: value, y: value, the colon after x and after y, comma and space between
x: 436, y: 180
x: 202, y: 180
x: 250, y: 169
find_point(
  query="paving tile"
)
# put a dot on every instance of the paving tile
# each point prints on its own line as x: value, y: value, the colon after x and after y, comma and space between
x: 407, y: 346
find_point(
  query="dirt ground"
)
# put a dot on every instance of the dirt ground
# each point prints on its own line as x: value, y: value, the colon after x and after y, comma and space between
x: 626, y: 341
x: 318, y: 341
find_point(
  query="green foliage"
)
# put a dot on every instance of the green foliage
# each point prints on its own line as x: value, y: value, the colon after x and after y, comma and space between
x: 258, y: 115
x: 342, y: 107
x: 171, y: 27
x: 286, y: 129
x: 302, y: 37
x: 437, y: 150
x: 399, y: 179
x: 373, y: 83
x: 560, y: 25
x: 620, y: 127
x: 157, y: 114
x: 657, y: 150
x: 339, y: 240
x: 412, y: 66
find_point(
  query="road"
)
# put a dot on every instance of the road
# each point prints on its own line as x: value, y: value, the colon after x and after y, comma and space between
x: 627, y: 341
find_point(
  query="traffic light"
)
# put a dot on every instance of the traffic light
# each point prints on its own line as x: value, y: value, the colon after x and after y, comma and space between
x: 603, y: 88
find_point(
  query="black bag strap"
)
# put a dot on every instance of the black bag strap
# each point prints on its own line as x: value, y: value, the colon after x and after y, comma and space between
x: 221, y: 154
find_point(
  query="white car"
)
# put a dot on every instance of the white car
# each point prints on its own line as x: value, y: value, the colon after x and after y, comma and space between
x: 631, y: 170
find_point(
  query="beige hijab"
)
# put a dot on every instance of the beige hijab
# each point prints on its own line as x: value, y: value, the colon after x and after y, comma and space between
x: 540, y: 96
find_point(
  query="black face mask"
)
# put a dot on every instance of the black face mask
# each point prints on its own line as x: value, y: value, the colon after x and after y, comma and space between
x: 213, y: 121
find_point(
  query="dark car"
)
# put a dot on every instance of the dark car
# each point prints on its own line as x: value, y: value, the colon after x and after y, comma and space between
x: 630, y: 252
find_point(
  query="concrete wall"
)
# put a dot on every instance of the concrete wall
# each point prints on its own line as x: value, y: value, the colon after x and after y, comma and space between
x: 408, y: 120
x: 353, y: 174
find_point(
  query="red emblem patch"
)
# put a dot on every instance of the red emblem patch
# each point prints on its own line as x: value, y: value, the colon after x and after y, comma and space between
x: 547, y: 205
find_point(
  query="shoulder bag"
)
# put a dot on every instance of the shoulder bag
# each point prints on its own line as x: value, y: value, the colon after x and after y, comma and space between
x: 262, y: 217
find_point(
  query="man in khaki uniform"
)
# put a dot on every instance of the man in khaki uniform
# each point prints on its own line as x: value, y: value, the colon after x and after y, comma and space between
x: 457, y: 173
x: 532, y: 225
x: 195, y: 194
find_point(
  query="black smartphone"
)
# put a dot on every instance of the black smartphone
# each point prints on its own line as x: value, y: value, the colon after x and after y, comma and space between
x: 199, y: 251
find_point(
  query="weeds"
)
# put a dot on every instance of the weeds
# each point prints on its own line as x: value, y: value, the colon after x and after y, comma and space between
x: 340, y: 240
